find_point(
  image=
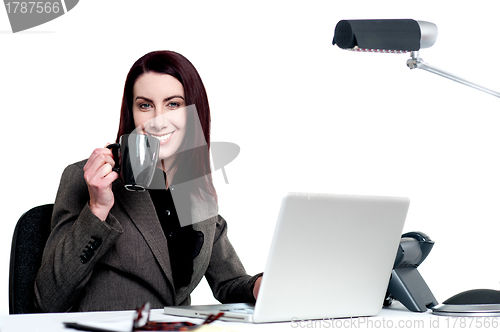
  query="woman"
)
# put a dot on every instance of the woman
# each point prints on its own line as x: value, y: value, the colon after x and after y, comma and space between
x: 112, y: 249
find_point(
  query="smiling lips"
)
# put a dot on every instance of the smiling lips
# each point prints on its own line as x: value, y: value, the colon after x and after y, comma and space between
x: 163, y: 138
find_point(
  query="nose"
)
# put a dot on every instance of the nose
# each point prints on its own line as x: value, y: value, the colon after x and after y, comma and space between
x: 159, y: 121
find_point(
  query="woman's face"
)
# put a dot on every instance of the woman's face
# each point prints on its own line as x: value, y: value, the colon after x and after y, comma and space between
x: 159, y: 110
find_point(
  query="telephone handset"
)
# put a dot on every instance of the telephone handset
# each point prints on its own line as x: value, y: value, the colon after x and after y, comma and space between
x: 406, y: 284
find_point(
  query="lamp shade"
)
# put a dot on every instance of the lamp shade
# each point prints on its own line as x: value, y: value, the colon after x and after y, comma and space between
x: 401, y: 35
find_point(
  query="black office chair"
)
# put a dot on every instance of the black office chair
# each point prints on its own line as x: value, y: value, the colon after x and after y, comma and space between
x: 28, y: 242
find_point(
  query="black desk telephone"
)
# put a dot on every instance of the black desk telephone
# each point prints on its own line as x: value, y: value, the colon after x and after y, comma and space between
x: 408, y: 287
x: 406, y: 284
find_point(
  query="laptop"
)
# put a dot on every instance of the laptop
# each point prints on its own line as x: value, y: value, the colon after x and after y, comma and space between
x: 331, y: 256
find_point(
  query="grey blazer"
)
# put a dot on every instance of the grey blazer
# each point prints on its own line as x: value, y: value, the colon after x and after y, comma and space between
x: 123, y: 262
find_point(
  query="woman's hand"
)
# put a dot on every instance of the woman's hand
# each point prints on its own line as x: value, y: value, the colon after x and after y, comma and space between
x: 256, y: 287
x: 99, y: 176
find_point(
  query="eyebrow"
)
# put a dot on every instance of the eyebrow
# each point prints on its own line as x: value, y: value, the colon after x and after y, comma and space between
x: 164, y: 100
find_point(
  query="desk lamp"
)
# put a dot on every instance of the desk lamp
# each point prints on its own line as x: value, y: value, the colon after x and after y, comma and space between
x: 409, y: 36
x: 395, y: 36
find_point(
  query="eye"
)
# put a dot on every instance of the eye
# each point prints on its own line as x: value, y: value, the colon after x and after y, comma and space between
x: 145, y: 106
x: 173, y: 105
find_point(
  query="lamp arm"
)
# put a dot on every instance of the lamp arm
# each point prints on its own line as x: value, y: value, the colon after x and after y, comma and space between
x: 417, y: 62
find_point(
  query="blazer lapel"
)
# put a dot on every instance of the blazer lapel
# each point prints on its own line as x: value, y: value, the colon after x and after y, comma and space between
x: 203, y: 216
x: 140, y: 208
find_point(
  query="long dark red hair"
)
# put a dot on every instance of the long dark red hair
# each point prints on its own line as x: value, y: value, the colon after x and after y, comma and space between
x: 191, y: 163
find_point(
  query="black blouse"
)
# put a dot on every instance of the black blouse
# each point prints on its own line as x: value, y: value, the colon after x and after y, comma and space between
x: 184, y: 243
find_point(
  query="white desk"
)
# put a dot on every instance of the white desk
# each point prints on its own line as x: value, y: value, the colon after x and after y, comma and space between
x: 395, y: 318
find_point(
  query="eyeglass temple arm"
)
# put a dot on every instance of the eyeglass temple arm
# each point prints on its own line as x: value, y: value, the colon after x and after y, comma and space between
x: 416, y: 62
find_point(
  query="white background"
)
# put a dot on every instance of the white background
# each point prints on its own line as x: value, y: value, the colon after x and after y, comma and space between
x: 307, y: 115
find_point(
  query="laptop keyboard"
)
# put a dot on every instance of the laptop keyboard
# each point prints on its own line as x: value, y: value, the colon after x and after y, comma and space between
x: 240, y: 310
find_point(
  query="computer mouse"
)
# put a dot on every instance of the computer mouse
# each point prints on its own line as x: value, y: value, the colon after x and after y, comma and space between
x: 474, y: 302
x: 475, y: 296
